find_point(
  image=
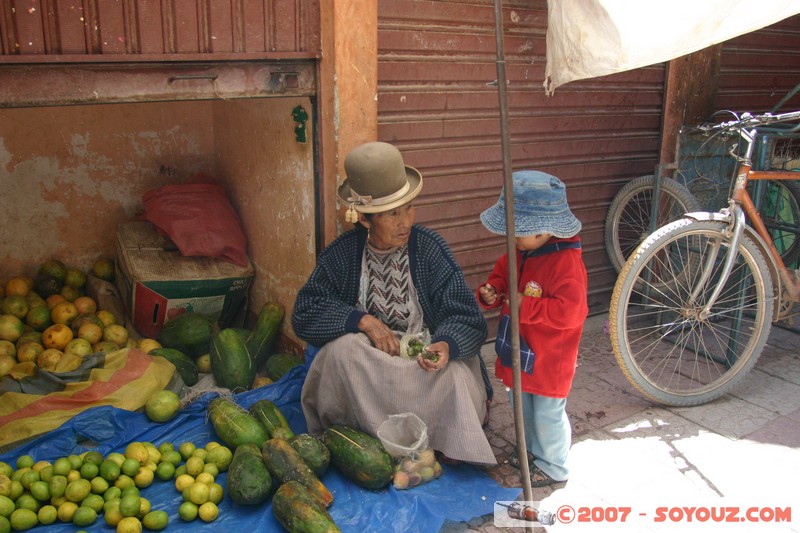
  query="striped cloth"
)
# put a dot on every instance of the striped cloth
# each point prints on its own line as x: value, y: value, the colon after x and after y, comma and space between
x: 350, y: 382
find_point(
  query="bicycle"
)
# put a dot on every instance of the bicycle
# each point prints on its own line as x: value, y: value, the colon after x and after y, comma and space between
x: 693, y: 306
x: 692, y: 183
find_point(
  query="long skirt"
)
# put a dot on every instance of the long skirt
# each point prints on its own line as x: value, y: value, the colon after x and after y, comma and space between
x: 352, y: 383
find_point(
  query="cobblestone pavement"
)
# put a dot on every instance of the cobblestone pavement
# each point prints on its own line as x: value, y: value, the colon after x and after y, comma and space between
x: 630, y: 452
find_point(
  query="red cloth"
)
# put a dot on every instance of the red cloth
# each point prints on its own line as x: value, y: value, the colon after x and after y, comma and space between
x: 551, y: 324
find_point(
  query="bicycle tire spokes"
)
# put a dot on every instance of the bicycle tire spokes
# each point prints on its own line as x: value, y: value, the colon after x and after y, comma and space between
x: 670, y: 350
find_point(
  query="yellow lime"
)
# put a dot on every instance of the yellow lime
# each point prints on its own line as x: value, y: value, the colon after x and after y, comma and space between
x: 116, y: 333
x: 124, y: 481
x: 63, y: 312
x: 75, y: 460
x: 144, y: 477
x: 171, y: 456
x: 215, y: 493
x: 129, y: 524
x: 153, y: 452
x: 112, y: 493
x: 77, y: 490
x: 144, y: 507
x: 212, y: 469
x: 116, y: 457
x: 204, y: 363
x: 183, y: 481
x: 61, y: 466
x: 78, y: 348
x: 49, y: 359
x: 47, y: 515
x: 66, y: 510
x: 198, y: 493
x: 111, y: 513
x: 208, y: 512
x: 147, y: 344
x: 16, y: 489
x: 204, y: 477
x: 202, y: 453
x: 73, y: 475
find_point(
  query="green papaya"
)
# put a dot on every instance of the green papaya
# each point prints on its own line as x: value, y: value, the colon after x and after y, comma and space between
x: 297, y: 510
x: 184, y: 364
x: 190, y: 333
x: 249, y: 480
x: 279, y: 364
x: 261, y: 339
x: 231, y: 363
x: 360, y: 457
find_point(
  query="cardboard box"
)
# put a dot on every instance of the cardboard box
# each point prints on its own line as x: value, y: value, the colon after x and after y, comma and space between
x: 157, y: 283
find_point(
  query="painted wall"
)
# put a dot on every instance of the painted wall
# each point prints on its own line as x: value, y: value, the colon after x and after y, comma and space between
x: 70, y: 174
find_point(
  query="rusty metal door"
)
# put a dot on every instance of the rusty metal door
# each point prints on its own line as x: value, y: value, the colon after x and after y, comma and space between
x: 437, y: 103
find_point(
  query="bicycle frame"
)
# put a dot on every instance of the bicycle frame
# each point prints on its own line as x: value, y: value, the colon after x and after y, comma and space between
x: 741, y: 207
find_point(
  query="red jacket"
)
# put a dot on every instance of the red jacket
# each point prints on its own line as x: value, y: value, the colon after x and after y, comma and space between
x: 550, y: 324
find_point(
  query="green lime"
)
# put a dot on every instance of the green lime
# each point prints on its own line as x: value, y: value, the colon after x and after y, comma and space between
x: 165, y: 471
x: 124, y: 481
x: 89, y: 470
x: 187, y: 511
x: 24, y: 461
x: 58, y: 485
x: 109, y: 470
x: 5, y: 469
x: 130, y: 467
x: 113, y: 493
x: 99, y: 485
x: 165, y: 447
x: 23, y: 519
x: 27, y: 501
x: 5, y: 525
x: 28, y: 477
x: 6, y: 506
x: 111, y: 513
x: 155, y: 520
x: 220, y: 456
x: 171, y: 456
x: 47, y: 515
x: 62, y: 466
x: 130, y: 504
x: 94, y: 457
x: 75, y: 461
x: 95, y: 501
x: 46, y: 473
x: 186, y: 450
x: 84, y: 516
x: 116, y: 457
x: 40, y: 490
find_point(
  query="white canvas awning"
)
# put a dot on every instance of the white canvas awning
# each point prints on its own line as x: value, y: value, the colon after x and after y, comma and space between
x: 590, y: 38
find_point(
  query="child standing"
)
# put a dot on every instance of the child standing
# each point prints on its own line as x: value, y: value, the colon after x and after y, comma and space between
x: 552, y: 287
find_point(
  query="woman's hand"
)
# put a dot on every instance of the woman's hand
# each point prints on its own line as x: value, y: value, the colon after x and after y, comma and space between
x: 379, y: 333
x: 435, y: 357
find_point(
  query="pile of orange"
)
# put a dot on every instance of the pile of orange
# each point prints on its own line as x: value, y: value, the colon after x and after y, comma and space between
x: 56, y: 330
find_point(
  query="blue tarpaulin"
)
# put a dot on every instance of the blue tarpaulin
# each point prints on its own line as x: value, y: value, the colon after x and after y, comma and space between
x: 461, y: 493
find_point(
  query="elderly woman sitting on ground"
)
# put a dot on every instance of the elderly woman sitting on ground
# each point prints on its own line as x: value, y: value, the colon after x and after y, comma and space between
x: 385, y: 279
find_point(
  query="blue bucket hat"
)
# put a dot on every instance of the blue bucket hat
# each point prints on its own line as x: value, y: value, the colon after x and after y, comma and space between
x: 540, y: 206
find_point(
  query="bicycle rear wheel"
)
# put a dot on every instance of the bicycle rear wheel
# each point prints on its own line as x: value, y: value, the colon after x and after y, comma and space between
x: 627, y: 222
x: 663, y: 344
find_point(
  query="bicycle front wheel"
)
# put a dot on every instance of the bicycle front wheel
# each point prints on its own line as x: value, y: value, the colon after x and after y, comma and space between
x: 665, y: 344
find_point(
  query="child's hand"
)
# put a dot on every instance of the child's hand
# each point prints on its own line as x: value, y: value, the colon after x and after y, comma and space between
x: 488, y: 294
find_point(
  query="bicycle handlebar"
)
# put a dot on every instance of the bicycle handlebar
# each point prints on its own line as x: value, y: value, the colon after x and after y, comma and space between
x: 748, y: 120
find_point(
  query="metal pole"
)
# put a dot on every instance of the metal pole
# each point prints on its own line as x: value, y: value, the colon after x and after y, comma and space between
x: 513, y: 296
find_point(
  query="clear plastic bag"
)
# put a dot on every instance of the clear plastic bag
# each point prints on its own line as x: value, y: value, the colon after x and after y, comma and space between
x: 405, y: 437
x: 412, y: 344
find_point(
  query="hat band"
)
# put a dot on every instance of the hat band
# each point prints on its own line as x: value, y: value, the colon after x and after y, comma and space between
x: 367, y: 200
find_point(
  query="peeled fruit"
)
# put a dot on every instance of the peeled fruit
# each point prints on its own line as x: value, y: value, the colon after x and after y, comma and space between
x: 162, y: 406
